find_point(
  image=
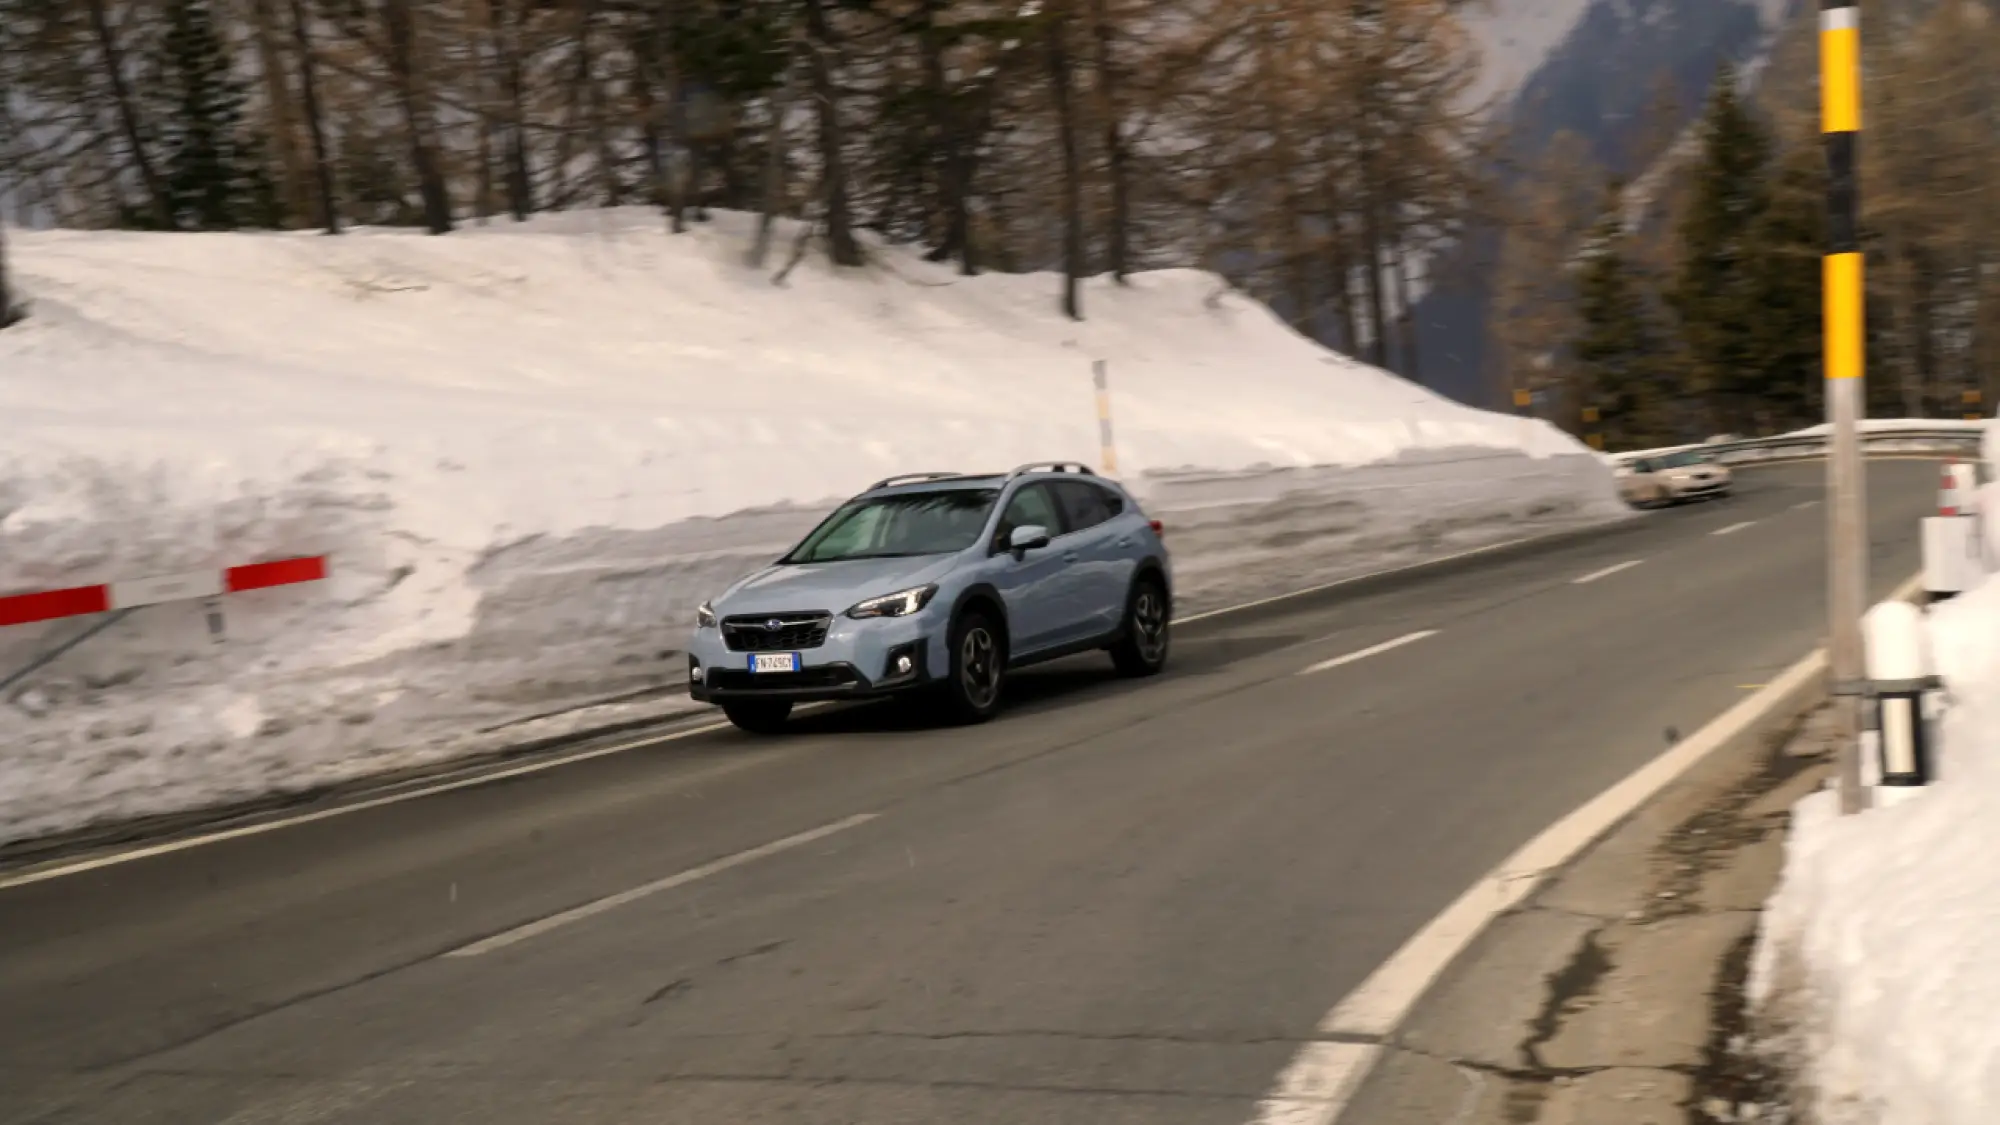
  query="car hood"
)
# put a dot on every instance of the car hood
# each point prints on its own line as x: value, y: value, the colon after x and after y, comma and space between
x: 829, y: 586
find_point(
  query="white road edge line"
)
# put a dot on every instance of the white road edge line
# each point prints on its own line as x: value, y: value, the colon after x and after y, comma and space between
x: 169, y: 846
x: 1606, y: 572
x: 540, y: 926
x: 1315, y: 1088
x: 1804, y: 504
x: 1371, y: 650
x: 1732, y: 527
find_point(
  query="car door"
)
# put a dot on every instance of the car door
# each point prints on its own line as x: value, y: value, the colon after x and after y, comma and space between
x: 1031, y: 584
x: 1102, y: 543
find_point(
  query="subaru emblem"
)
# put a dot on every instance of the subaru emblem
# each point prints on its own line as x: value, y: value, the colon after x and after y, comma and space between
x: 774, y: 625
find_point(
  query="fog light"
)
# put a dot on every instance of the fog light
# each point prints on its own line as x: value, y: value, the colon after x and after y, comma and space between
x: 903, y: 665
x: 694, y: 672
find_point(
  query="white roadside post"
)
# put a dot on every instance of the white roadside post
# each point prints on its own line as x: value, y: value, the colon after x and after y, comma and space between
x: 1954, y: 560
x: 1106, y: 450
x: 1899, y: 683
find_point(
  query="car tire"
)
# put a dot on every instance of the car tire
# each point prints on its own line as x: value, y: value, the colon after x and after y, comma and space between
x: 759, y: 716
x: 1147, y: 636
x: 978, y: 669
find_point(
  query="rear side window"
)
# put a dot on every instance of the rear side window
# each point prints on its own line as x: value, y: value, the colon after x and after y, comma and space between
x: 1086, y: 505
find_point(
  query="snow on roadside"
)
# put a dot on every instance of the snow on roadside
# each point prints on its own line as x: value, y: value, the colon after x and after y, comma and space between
x: 1876, y: 957
x: 532, y: 449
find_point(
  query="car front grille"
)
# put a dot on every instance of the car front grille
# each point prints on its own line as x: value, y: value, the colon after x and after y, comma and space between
x: 794, y: 631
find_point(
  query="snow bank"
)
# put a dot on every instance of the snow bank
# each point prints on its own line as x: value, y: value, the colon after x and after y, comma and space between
x: 532, y: 449
x: 1877, y: 954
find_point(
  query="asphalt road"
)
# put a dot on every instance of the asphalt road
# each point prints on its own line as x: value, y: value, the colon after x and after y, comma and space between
x: 1119, y: 903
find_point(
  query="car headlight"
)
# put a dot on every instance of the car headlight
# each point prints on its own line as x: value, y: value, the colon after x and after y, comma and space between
x: 902, y: 603
x: 704, y: 616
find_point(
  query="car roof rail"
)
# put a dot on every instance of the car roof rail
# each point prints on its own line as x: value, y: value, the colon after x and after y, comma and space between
x: 910, y: 478
x: 1076, y: 467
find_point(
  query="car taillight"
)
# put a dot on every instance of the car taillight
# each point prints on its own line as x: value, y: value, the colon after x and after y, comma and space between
x: 1157, y: 528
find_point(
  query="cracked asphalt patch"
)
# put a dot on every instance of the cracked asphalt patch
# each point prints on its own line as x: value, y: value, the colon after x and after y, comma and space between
x: 1614, y: 994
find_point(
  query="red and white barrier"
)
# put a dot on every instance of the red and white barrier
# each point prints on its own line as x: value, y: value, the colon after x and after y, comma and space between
x: 80, y: 601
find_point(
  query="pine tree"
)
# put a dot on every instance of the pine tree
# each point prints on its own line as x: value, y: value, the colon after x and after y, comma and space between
x: 1786, y: 248
x: 1617, y: 350
x: 1714, y: 293
x: 214, y: 174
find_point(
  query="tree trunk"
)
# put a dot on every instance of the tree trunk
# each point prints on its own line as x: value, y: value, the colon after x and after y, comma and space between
x: 128, y: 118
x: 329, y: 210
x: 600, y: 132
x: 1341, y: 263
x: 948, y: 137
x: 841, y: 243
x: 1406, y: 319
x: 774, y: 162
x: 400, y: 28
x: 1057, y: 30
x: 284, y: 113
x: 1116, y: 159
x: 505, y: 21
x: 646, y: 55
x: 1371, y: 283
x: 6, y: 291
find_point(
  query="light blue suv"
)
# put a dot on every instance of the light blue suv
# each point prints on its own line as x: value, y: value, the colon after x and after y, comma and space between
x: 938, y: 584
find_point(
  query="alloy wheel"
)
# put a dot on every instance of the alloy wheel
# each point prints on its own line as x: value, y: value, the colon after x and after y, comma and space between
x: 979, y: 667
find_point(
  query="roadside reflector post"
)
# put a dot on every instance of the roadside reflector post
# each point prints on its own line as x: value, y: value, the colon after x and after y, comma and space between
x: 1107, y: 451
x: 1845, y: 349
x: 1953, y: 555
x: 1900, y: 683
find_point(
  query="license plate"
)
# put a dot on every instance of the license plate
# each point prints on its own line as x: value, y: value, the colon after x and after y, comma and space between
x: 774, y: 662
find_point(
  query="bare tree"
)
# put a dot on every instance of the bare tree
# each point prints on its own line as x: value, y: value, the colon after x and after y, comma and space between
x: 399, y: 26
x: 9, y: 315
x: 113, y: 60
x: 836, y: 198
x: 1055, y: 26
x: 329, y: 208
x: 1117, y: 159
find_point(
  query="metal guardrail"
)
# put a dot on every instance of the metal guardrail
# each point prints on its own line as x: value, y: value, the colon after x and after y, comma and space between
x: 1961, y: 440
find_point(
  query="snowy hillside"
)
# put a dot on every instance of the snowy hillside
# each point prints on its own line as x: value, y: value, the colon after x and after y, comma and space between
x: 518, y: 444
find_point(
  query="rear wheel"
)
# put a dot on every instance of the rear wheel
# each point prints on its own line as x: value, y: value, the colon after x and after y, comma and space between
x: 758, y: 716
x: 978, y: 669
x: 1142, y: 650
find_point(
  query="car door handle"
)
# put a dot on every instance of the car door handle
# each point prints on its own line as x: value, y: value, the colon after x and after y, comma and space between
x: 1069, y: 556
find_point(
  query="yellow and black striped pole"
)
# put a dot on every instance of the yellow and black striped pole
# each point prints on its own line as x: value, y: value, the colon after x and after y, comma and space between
x: 1846, y: 348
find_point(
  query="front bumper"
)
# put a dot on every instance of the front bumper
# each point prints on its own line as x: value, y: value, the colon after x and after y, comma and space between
x: 858, y: 660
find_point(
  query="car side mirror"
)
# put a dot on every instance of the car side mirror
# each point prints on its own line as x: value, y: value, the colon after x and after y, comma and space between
x: 1028, y: 537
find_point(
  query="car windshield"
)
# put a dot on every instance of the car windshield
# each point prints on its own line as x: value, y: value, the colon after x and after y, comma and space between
x: 1682, y: 460
x: 936, y: 522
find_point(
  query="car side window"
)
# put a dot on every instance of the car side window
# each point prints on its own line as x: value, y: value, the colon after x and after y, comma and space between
x: 1086, y: 505
x: 1034, y: 505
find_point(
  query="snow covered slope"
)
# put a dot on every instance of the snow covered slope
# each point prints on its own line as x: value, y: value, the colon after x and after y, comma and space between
x: 1876, y: 956
x: 532, y: 449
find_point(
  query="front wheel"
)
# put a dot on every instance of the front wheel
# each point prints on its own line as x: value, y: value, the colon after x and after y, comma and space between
x: 978, y: 670
x: 1142, y: 649
x: 758, y: 716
